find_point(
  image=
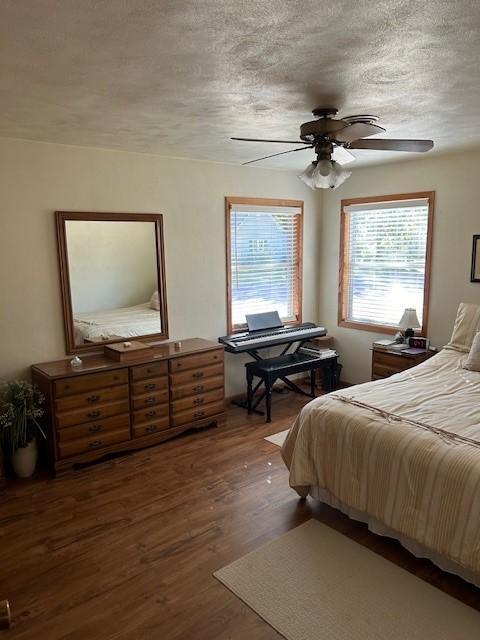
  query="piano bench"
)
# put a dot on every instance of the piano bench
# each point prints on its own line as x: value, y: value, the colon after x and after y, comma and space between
x: 271, y: 369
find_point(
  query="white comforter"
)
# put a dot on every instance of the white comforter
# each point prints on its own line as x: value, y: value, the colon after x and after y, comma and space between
x: 405, y: 451
x: 127, y: 322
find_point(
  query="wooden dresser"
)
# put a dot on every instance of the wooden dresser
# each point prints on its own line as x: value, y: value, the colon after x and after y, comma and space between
x: 386, y: 363
x: 106, y: 406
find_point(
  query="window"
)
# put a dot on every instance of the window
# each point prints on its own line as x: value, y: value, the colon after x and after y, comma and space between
x: 264, y: 259
x: 385, y: 252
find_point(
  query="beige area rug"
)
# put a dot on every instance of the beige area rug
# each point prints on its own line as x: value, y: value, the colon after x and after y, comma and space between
x: 313, y: 583
x: 278, y: 438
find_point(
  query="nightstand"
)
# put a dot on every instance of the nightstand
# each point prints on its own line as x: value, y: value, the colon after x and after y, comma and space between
x: 386, y: 362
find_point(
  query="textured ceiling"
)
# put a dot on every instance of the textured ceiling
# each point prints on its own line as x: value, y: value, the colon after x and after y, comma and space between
x: 179, y: 77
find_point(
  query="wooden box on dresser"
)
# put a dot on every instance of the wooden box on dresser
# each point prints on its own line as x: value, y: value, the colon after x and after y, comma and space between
x: 105, y: 406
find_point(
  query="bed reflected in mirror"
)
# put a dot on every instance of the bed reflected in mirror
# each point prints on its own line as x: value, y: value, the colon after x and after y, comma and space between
x: 112, y: 278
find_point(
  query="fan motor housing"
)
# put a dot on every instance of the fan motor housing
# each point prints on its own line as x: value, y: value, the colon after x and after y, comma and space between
x: 310, y: 130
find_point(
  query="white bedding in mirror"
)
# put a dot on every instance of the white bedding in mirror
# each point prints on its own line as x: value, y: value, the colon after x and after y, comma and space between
x: 126, y: 322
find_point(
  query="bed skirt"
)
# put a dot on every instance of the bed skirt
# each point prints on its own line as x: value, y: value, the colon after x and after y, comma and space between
x: 375, y: 526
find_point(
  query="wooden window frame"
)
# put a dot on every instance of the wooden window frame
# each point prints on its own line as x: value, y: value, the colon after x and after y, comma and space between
x: 343, y: 260
x: 298, y: 284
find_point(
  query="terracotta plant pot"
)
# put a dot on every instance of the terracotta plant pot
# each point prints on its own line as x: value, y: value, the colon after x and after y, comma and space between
x: 24, y: 460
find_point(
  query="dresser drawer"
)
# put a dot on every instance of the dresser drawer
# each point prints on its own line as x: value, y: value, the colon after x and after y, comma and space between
x: 92, y: 429
x: 196, y: 361
x: 93, y: 443
x: 194, y: 388
x: 92, y: 381
x: 93, y: 413
x: 197, y: 401
x: 151, y: 427
x: 91, y: 398
x: 147, y: 386
x: 151, y: 370
x: 150, y: 399
x: 148, y: 415
x: 399, y: 363
x: 196, y: 375
x: 193, y: 415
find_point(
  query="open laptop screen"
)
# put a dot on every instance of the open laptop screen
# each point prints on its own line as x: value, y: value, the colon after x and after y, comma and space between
x: 262, y: 321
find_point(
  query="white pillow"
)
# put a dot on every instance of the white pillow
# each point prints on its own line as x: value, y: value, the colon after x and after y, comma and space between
x: 155, y: 301
x: 467, y: 325
x: 472, y: 363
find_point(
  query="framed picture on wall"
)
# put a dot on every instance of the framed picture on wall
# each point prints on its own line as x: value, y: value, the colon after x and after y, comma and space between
x: 475, y: 273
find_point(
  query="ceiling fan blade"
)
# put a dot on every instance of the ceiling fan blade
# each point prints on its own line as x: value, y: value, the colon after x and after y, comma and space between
x: 342, y: 156
x: 280, y: 141
x: 356, y: 131
x: 278, y: 154
x: 393, y: 145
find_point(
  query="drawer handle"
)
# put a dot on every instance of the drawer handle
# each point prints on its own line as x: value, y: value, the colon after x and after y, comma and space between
x: 149, y: 387
x: 148, y: 370
x: 199, y: 401
x: 95, y: 444
x: 93, y: 398
x: 95, y: 428
x: 198, y: 374
x: 198, y: 387
x: 94, y: 414
x: 150, y: 400
x: 151, y: 429
x: 198, y: 414
x: 116, y: 378
x: 150, y: 414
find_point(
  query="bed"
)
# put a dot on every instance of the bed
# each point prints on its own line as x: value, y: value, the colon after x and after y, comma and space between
x: 402, y: 454
x: 127, y: 322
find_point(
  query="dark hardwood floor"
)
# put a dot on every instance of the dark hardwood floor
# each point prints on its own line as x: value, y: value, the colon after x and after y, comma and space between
x: 126, y: 549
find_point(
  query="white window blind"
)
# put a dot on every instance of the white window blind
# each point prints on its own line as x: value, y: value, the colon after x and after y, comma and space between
x: 264, y: 261
x: 385, y: 260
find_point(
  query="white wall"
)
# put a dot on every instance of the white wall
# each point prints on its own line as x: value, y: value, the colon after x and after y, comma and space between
x: 110, y: 264
x: 455, y: 179
x: 37, y: 179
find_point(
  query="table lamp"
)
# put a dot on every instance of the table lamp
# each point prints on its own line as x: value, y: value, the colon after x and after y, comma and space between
x: 408, y: 322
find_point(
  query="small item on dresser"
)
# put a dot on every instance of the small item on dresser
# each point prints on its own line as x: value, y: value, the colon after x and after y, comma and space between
x: 177, y: 345
x: 417, y: 342
x: 76, y: 362
x: 126, y: 351
x: 383, y: 344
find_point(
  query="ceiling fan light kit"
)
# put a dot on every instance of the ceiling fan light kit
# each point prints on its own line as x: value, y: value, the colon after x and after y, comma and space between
x: 328, y: 136
x: 317, y: 177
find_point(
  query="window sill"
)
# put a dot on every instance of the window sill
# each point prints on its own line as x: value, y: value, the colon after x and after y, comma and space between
x: 376, y: 328
x: 363, y: 326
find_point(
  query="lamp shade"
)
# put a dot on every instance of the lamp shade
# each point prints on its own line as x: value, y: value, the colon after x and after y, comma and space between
x: 409, y: 320
x: 324, y: 174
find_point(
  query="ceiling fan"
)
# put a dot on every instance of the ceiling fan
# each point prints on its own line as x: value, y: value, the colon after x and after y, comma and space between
x: 331, y: 138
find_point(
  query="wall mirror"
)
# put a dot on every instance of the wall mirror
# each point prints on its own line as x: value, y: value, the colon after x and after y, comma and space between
x: 112, y: 272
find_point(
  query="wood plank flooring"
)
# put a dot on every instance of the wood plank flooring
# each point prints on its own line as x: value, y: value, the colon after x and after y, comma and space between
x: 126, y: 549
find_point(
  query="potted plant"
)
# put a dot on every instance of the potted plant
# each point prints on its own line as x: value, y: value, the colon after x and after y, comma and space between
x: 19, y: 427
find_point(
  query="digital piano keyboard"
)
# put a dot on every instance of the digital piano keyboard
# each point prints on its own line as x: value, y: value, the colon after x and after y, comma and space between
x: 251, y: 340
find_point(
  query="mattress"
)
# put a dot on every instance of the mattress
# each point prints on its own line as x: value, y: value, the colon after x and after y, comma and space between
x: 127, y: 322
x: 404, y: 452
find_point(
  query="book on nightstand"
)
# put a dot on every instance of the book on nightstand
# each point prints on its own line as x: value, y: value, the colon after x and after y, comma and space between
x: 389, y: 345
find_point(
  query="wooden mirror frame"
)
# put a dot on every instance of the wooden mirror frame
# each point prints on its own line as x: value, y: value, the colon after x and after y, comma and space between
x: 61, y: 217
